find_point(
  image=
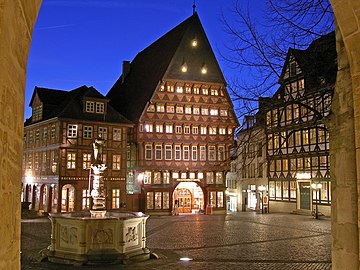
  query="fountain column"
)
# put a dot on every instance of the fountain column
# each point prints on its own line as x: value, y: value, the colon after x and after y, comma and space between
x: 98, y: 189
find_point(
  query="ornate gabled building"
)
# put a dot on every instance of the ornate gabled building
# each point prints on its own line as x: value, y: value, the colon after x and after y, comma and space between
x: 297, y: 132
x: 175, y: 93
x: 58, y: 149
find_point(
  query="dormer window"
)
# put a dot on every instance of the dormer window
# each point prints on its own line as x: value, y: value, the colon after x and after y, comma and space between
x: 94, y: 107
x: 100, y: 107
x: 37, y: 113
x: 90, y: 106
x: 292, y: 69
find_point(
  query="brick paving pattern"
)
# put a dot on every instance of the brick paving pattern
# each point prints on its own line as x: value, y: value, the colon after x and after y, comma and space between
x: 236, y: 241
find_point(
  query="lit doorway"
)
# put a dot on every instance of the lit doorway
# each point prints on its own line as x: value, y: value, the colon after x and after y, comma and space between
x: 190, y: 197
x: 67, y: 198
x: 304, y: 195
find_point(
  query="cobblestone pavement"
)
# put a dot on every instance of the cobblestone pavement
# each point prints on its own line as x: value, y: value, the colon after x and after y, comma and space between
x: 236, y: 241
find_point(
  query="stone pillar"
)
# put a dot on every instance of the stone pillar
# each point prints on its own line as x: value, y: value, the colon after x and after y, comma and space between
x: 17, y: 19
x: 345, y: 167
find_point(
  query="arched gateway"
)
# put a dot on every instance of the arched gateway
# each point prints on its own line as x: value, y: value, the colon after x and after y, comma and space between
x: 16, y: 25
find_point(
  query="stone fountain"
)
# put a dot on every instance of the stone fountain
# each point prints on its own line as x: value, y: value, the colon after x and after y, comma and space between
x: 98, y: 236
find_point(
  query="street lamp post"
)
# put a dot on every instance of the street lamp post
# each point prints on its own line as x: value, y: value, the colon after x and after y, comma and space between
x: 316, y: 187
x: 261, y: 189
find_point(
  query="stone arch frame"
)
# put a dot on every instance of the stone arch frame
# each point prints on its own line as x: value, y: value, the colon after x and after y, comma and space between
x: 17, y: 19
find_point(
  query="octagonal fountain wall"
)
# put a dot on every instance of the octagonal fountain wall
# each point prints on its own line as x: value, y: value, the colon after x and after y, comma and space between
x: 79, y: 238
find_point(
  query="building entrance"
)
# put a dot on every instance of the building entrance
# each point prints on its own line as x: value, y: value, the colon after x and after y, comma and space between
x: 304, y: 196
x: 190, y: 198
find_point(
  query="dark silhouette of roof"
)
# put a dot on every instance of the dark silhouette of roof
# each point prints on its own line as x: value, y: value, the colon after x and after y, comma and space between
x: 318, y: 62
x: 69, y: 104
x: 162, y: 61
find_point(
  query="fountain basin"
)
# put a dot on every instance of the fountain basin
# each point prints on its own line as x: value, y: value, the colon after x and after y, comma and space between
x: 77, y: 238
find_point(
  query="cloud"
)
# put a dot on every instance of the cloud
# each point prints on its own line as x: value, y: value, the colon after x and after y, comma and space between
x: 55, y: 26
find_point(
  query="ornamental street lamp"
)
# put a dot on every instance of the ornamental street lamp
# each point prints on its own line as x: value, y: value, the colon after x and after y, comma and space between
x: 316, y: 187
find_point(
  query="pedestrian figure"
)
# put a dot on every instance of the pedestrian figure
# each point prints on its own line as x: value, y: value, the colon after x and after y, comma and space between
x: 176, y: 208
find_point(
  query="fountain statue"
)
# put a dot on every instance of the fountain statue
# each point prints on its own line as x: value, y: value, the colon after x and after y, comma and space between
x: 98, y: 236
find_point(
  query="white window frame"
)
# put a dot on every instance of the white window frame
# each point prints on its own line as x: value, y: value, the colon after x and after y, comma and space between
x: 159, y: 128
x: 88, y: 132
x: 100, y: 107
x: 90, y: 106
x: 102, y: 132
x: 158, y: 152
x: 148, y: 152
x: 186, y: 152
x: 168, y: 152
x: 168, y: 128
x: 194, y: 152
x: 72, y: 131
x: 116, y: 162
x: 177, y: 152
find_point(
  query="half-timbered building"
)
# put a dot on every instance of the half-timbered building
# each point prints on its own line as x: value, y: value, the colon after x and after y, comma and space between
x: 296, y: 129
x: 175, y: 93
x: 58, y: 150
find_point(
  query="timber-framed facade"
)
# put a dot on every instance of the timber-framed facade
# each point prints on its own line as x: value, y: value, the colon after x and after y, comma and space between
x: 296, y: 129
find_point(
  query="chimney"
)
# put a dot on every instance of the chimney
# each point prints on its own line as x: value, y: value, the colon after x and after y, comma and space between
x: 125, y: 70
x: 249, y: 120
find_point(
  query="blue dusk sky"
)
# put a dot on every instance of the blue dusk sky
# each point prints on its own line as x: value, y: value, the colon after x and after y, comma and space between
x: 83, y: 42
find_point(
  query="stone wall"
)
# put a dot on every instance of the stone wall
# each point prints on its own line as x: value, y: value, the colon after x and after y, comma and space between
x: 345, y: 137
x: 17, y: 19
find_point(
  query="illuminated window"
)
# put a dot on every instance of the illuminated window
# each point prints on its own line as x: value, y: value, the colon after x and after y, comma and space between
x: 214, y: 92
x: 188, y: 89
x: 204, y: 111
x: 148, y: 127
x: 220, y: 199
x: 86, y: 161
x: 157, y: 200
x: 85, y: 204
x: 147, y: 177
x: 203, y: 130
x: 170, y: 108
x: 117, y: 134
x: 159, y: 128
x: 196, y: 90
x: 150, y: 200
x: 116, y: 162
x: 222, y: 131
x: 160, y: 108
x: 71, y: 160
x: 175, y: 175
x: 179, y: 109
x: 115, y: 198
x: 212, y: 130
x: 210, y: 178
x: 205, y: 91
x: 170, y: 88
x: 219, y: 178
x: 72, y: 131
x: 214, y: 111
x: 187, y: 109
x: 169, y: 128
x: 151, y: 108
x: 87, y: 132
x: 196, y: 110
x: 194, y: 42
x: 179, y: 89
x: 223, y: 112
x: 157, y: 178
x: 166, y: 177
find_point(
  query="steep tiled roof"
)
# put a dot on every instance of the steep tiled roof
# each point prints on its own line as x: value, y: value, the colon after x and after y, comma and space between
x: 69, y: 104
x: 162, y: 61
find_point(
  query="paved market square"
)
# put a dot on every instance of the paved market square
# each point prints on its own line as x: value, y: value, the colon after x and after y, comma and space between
x: 245, y: 240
